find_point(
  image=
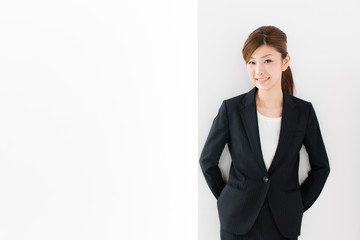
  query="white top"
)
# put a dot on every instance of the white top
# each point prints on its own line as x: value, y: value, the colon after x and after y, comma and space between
x: 269, y: 131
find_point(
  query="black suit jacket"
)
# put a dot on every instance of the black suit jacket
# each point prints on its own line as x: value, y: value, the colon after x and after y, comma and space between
x: 240, y: 199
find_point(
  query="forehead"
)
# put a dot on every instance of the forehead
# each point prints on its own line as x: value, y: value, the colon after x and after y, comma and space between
x: 265, y: 51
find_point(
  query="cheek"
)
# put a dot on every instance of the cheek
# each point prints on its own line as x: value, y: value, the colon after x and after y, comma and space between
x: 251, y: 75
x: 270, y: 68
x: 250, y: 71
x: 273, y: 69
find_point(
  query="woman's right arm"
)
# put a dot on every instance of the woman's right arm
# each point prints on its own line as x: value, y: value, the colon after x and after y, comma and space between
x: 210, y: 155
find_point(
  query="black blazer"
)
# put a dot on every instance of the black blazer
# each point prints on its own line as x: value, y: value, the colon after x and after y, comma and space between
x: 240, y: 199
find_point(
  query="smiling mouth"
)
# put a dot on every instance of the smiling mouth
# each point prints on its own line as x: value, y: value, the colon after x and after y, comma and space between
x: 262, y: 79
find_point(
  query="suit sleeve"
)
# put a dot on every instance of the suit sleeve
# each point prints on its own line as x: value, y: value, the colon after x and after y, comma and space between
x: 210, y: 155
x: 319, y: 163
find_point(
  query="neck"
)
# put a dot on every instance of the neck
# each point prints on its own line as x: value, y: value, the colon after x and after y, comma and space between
x: 269, y: 98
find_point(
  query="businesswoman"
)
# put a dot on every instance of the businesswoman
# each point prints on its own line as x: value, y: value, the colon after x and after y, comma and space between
x: 265, y: 129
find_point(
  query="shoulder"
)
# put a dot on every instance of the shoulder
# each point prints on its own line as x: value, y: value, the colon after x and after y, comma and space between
x: 300, y: 101
x: 233, y: 103
x: 235, y: 100
x: 302, y: 104
x: 229, y: 104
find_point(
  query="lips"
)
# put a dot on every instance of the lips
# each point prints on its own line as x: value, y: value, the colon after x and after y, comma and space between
x: 262, y: 79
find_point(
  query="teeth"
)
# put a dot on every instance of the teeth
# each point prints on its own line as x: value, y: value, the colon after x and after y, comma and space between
x: 263, y: 80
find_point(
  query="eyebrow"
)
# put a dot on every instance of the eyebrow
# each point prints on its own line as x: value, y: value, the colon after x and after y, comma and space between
x: 264, y: 56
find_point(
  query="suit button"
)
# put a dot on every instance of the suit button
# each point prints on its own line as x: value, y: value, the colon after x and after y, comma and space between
x: 266, y: 179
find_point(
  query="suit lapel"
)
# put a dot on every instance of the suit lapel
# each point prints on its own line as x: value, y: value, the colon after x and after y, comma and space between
x: 248, y: 114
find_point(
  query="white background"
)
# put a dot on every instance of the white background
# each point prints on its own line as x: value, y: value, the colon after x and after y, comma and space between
x: 323, y: 42
x: 98, y: 120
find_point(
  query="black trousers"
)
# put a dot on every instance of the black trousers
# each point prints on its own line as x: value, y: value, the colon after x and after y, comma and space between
x: 264, y: 228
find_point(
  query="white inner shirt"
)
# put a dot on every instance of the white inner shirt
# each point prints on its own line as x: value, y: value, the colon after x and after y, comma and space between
x: 269, y: 131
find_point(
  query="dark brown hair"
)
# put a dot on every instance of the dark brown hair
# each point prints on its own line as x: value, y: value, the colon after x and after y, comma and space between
x: 274, y: 37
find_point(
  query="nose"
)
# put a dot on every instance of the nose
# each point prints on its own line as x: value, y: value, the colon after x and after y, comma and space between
x: 259, y: 70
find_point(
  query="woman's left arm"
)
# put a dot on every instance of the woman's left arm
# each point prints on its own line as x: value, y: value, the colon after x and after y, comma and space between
x: 319, y: 163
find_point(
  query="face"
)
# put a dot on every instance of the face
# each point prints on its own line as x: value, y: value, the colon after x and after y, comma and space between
x: 265, y: 67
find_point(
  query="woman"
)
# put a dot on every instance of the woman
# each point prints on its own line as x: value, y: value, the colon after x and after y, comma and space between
x: 265, y: 129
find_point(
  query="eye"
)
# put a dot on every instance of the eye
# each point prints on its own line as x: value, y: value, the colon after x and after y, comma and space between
x: 267, y: 60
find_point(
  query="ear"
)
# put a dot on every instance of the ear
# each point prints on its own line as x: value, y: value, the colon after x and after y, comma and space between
x: 286, y: 62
